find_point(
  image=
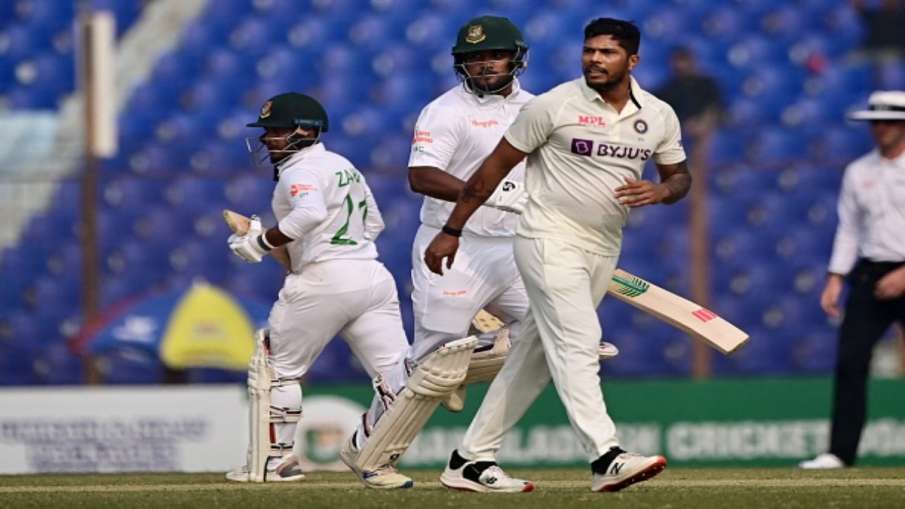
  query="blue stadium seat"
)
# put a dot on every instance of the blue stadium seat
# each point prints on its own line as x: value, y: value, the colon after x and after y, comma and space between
x: 374, y: 65
x: 816, y: 352
x: 197, y: 258
x: 58, y: 365
x: 249, y: 193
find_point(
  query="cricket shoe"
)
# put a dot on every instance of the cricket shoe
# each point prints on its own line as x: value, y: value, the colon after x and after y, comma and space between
x: 285, y: 469
x: 825, y: 461
x: 607, y: 350
x: 481, y: 476
x: 618, y: 469
x: 383, y: 478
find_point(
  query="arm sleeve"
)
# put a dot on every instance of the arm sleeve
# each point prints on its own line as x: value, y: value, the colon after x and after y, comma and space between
x: 309, y: 208
x: 436, y: 138
x: 532, y: 127
x: 845, y: 244
x: 373, y: 219
x: 670, y: 150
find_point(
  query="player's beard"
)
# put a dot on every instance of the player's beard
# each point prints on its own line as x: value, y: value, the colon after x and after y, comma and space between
x: 611, y: 81
x: 493, y: 82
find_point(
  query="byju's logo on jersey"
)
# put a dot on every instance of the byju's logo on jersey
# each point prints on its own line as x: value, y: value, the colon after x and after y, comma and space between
x: 586, y: 148
x: 582, y: 147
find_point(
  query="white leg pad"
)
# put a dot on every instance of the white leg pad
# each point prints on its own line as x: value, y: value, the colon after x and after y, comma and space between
x: 486, y: 364
x: 274, y: 409
x: 439, y: 374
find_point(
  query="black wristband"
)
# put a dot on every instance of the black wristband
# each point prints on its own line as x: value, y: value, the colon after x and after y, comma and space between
x: 449, y: 230
x: 263, y: 243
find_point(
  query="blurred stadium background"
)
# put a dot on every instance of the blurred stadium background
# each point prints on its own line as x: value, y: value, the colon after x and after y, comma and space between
x: 191, y: 73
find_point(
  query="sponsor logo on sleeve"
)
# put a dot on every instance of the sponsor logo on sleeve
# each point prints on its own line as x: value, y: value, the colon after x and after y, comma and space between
x: 299, y: 190
x: 422, y: 137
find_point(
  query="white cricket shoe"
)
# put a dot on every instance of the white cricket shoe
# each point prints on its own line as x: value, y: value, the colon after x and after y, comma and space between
x: 284, y: 469
x: 384, y: 478
x: 481, y: 476
x: 625, y: 469
x: 607, y: 350
x: 823, y: 461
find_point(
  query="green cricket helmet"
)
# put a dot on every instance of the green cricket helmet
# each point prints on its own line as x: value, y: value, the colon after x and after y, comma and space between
x: 286, y: 111
x: 489, y: 33
x: 292, y: 110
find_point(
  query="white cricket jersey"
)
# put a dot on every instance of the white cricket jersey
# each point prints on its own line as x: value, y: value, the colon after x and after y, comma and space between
x: 455, y: 133
x: 323, y: 202
x: 579, y: 151
x: 871, y: 213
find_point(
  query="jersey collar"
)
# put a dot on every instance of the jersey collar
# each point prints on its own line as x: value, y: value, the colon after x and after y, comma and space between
x: 299, y: 156
x: 635, y: 95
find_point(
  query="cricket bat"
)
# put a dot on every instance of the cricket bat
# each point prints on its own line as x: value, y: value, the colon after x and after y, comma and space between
x: 239, y: 225
x: 637, y: 292
x: 677, y: 311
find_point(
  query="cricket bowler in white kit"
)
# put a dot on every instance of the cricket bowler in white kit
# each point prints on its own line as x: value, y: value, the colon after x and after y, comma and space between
x: 328, y: 222
x: 586, y: 143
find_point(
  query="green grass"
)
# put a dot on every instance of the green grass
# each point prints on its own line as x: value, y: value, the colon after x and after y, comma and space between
x: 557, y: 489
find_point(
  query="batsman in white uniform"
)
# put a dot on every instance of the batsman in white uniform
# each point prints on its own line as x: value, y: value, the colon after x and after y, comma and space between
x: 328, y: 222
x: 453, y: 134
x: 586, y: 143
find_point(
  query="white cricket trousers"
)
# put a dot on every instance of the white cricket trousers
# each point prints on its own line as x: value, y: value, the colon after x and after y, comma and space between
x: 560, y: 340
x: 483, y: 275
x: 355, y: 299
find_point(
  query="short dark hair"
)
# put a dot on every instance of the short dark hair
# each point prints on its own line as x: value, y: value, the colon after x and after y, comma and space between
x: 625, y: 32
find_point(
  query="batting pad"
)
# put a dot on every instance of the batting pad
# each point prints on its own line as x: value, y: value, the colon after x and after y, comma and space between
x: 440, y: 373
x: 259, y: 377
x: 485, y: 365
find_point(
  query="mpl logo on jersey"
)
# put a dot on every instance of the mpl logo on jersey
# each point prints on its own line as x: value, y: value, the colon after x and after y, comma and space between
x: 591, y: 120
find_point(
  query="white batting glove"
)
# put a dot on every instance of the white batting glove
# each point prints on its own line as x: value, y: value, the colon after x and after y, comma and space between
x: 509, y: 196
x: 251, y: 247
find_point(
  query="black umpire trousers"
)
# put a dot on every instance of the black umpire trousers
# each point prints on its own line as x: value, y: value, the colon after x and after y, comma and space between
x: 866, y: 320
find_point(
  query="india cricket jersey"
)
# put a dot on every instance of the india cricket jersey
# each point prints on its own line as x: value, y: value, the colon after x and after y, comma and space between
x: 455, y: 133
x: 323, y: 202
x: 580, y: 150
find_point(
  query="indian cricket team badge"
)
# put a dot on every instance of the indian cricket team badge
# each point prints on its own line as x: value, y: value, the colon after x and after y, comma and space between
x: 475, y: 34
x: 265, y: 110
x: 640, y: 126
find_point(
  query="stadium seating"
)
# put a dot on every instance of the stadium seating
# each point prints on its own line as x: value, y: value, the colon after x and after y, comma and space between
x: 775, y: 164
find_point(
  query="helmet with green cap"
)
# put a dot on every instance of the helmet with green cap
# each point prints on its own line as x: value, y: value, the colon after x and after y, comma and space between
x: 292, y: 121
x: 489, y: 34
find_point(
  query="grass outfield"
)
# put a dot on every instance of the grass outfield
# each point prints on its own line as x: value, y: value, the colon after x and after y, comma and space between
x: 557, y: 489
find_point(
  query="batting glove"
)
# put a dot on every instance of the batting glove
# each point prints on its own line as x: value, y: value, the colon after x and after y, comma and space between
x: 253, y: 246
x: 509, y: 196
